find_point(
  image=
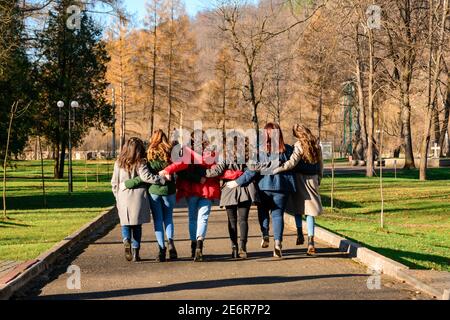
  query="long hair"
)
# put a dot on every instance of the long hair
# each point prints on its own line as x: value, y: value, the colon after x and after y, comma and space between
x: 132, y: 154
x: 269, y: 131
x: 159, y: 147
x: 309, y: 143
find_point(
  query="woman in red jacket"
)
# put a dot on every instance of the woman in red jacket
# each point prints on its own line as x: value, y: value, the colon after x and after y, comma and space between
x: 201, y: 193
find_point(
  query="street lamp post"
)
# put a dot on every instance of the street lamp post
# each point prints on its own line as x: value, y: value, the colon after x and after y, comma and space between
x: 74, y: 105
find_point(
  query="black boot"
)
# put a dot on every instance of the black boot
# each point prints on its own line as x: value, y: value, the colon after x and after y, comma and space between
x: 199, y: 251
x: 300, y: 237
x: 173, y: 255
x: 311, y: 248
x: 243, y: 250
x: 234, y: 252
x: 135, y: 253
x: 265, y: 242
x: 193, y: 248
x: 127, y: 245
x: 161, y: 255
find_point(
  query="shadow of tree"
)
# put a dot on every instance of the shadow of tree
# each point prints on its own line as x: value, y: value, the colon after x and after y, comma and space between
x: 62, y: 201
x: 403, y: 256
x: 9, y: 224
x: 434, y: 174
x: 338, y: 204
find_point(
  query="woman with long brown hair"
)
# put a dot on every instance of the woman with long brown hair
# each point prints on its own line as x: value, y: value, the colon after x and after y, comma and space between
x: 133, y: 205
x: 162, y: 198
x: 274, y: 189
x: 306, y: 162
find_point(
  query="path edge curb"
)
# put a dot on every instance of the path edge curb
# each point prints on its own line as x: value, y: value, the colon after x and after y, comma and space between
x: 101, y: 223
x: 370, y: 259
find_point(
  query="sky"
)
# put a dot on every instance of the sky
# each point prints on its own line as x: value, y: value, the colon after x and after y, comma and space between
x: 138, y: 6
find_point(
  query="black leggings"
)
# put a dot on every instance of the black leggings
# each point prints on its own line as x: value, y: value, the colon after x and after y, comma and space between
x: 242, y: 210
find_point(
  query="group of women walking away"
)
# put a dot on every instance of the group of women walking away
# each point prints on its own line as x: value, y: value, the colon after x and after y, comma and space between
x: 144, y: 183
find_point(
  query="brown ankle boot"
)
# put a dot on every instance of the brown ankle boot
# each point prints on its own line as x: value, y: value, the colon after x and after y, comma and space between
x: 311, y: 248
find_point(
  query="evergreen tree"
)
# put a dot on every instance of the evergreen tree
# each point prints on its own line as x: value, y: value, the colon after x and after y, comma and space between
x: 73, y: 67
x: 15, y: 79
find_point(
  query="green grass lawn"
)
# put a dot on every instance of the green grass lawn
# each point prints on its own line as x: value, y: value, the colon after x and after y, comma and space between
x: 32, y: 228
x: 417, y: 216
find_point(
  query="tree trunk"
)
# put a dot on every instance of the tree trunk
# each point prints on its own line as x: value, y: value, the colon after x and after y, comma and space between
x: 255, y: 120
x: 433, y: 83
x: 406, y: 124
x: 361, y: 104
x: 5, y: 160
x: 436, y: 123
x: 278, y: 111
x: 430, y: 104
x: 42, y: 172
x: 169, y: 93
x: 56, y: 159
x: 122, y: 116
x: 62, y: 158
x: 170, y: 107
x: 155, y: 38
x: 224, y: 110
x: 358, y: 150
x: 371, y: 117
x: 319, y: 115
x: 446, y: 118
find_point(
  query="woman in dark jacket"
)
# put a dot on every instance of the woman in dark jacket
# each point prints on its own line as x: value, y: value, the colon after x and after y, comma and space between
x: 237, y: 201
x: 274, y: 189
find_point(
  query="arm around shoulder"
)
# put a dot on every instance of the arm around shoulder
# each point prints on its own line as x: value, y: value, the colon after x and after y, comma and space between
x: 146, y: 176
x: 293, y: 160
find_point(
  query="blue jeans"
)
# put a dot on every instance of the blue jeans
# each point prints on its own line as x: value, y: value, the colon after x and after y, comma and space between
x: 272, y: 203
x: 310, y: 222
x: 162, y: 211
x: 133, y: 234
x: 199, y: 211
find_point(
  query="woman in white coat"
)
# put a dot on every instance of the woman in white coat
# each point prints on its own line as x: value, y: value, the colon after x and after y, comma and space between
x: 133, y: 205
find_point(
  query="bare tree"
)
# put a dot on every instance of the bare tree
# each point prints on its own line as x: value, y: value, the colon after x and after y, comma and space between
x: 249, y: 30
x: 15, y: 113
x: 434, y: 72
x: 446, y: 102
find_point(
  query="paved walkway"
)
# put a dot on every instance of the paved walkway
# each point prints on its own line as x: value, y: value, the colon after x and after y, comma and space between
x: 106, y: 275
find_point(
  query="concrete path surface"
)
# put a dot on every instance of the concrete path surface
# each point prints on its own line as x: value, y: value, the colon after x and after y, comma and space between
x: 106, y: 275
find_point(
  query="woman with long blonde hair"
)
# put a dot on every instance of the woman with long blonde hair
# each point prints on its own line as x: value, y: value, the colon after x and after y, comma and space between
x: 162, y: 198
x: 307, y: 163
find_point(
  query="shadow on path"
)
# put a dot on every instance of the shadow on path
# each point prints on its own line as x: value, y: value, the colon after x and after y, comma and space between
x: 195, y: 285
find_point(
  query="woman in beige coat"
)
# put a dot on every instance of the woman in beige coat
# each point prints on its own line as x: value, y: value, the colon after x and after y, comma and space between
x: 307, y: 162
x: 133, y: 205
